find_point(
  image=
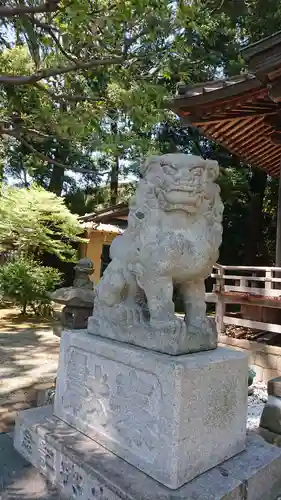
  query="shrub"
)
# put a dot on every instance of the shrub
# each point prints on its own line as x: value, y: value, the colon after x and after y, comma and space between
x: 28, y: 284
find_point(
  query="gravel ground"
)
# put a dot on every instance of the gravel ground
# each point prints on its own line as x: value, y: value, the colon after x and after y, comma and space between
x: 255, y: 404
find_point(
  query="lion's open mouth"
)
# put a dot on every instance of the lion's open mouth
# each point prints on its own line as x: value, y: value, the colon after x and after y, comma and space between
x: 183, y: 197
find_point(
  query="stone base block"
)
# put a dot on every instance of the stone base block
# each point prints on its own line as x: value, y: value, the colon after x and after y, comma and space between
x: 83, y: 469
x: 271, y: 415
x: 269, y: 436
x: 173, y: 417
x: 173, y: 339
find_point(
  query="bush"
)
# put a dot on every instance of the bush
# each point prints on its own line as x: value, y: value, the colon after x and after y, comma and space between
x: 28, y: 284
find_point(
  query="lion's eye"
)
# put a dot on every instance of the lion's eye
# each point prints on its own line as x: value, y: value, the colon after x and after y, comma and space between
x: 169, y: 169
x: 196, y: 172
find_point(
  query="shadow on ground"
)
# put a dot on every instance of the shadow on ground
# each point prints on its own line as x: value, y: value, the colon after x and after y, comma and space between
x: 11, y: 318
x: 28, y: 363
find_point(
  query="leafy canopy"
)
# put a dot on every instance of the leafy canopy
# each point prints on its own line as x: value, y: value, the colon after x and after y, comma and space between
x: 64, y: 68
x: 34, y: 221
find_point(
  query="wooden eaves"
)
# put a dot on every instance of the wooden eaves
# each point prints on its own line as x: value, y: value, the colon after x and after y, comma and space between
x: 110, y: 214
x: 243, y: 113
x: 238, y: 114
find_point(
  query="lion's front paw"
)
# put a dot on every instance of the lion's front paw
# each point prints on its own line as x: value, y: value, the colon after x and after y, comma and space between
x: 173, y: 325
x: 199, y: 325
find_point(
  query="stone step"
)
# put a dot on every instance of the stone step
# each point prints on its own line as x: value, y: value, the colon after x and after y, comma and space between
x: 18, y: 479
x: 83, y: 469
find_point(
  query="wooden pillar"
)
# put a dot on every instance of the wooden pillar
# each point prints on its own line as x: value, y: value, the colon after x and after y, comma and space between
x: 278, y: 226
x: 220, y: 305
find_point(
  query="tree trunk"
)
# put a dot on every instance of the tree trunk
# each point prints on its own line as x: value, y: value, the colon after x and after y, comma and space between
x: 24, y: 308
x: 57, y: 177
x: 255, y: 217
x: 278, y: 226
x: 1, y: 177
x: 114, y: 181
x: 56, y: 181
x: 114, y: 176
x: 25, y: 178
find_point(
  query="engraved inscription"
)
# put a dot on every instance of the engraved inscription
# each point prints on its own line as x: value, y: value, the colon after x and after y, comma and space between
x: 27, y: 441
x: 76, y: 484
x: 71, y: 478
x: 46, y: 456
x: 76, y: 365
x: 97, y: 491
x: 224, y: 396
x: 65, y: 472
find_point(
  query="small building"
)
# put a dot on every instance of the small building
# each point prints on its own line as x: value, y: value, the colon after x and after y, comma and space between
x: 101, y: 228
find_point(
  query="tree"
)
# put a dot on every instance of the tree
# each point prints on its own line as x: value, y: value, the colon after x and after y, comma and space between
x: 34, y: 221
x: 62, y: 65
x: 98, y: 74
x: 103, y: 84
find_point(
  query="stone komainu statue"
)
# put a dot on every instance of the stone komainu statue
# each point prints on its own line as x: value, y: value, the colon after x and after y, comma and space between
x: 173, y: 237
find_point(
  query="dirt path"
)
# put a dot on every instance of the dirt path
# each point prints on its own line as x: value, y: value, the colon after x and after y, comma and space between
x: 28, y: 363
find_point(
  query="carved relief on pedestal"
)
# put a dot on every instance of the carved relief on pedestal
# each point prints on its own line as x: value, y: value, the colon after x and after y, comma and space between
x: 121, y: 402
x: 133, y: 407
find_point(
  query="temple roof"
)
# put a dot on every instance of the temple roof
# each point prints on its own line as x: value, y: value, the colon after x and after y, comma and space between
x: 241, y: 113
x: 106, y: 215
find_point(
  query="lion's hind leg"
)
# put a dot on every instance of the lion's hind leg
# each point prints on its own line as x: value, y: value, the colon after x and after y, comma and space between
x: 159, y: 296
x: 193, y: 293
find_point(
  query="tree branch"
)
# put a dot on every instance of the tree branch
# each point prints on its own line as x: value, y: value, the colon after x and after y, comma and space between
x: 51, y: 161
x: 60, y: 47
x: 47, y: 73
x: 9, y: 131
x: 50, y: 29
x: 218, y: 7
x: 16, y: 133
x: 67, y: 97
x: 18, y: 130
x: 48, y: 6
x: 40, y: 24
x: 4, y: 41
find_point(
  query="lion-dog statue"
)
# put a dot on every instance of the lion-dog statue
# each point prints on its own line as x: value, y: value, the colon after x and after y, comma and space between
x: 173, y: 237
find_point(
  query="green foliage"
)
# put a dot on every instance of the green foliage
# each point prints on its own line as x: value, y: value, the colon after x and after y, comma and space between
x: 136, y: 52
x: 102, y: 118
x: 123, y: 45
x: 83, y: 201
x: 28, y: 284
x: 34, y: 220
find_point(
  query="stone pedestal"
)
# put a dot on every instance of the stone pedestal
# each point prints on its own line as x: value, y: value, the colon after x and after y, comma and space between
x: 173, y: 417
